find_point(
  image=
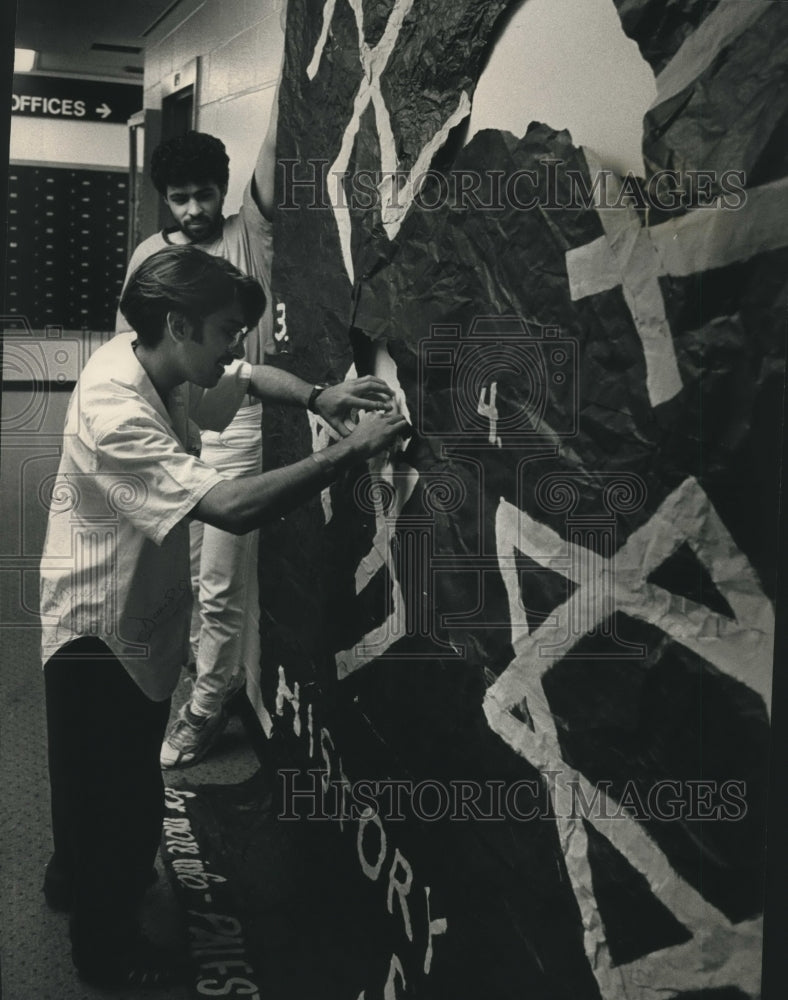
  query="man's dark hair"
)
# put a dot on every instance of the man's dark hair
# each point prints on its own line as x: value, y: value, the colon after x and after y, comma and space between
x: 191, y: 282
x: 193, y: 158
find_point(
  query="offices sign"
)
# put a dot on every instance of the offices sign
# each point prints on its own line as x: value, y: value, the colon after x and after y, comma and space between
x: 67, y: 98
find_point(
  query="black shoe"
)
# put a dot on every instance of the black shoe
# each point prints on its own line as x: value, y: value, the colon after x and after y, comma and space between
x: 144, y: 966
x: 59, y: 889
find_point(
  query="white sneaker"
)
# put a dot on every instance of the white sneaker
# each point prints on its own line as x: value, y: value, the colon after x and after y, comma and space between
x: 190, y: 737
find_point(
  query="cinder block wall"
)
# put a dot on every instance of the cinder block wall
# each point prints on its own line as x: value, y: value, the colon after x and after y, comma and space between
x: 239, y: 45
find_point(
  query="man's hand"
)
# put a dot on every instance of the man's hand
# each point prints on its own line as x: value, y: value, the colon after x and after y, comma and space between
x: 375, y: 432
x: 239, y: 505
x: 336, y: 404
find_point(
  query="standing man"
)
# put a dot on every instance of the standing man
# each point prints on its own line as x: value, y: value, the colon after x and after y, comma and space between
x: 191, y: 173
x: 115, y: 579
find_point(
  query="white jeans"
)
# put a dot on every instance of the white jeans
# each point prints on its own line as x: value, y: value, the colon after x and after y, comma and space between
x: 224, y: 630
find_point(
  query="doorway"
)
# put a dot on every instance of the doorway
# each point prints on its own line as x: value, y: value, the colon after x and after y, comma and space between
x: 177, y: 112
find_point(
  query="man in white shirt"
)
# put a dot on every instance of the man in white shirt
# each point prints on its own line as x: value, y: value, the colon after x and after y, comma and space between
x: 115, y: 578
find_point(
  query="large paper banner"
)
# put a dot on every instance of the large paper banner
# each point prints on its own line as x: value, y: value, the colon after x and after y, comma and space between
x: 567, y: 577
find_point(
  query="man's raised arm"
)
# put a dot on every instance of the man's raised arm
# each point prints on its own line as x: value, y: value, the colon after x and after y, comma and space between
x: 264, y: 180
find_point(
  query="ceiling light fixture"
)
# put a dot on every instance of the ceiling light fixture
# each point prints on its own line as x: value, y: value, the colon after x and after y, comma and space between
x: 111, y: 47
x: 24, y: 60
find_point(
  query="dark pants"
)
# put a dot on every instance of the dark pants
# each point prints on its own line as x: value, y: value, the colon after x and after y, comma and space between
x: 105, y: 736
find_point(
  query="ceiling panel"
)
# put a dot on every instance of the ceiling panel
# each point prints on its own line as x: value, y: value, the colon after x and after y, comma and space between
x: 64, y: 33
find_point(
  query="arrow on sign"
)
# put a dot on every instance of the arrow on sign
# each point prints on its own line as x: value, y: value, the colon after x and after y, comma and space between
x: 104, y: 109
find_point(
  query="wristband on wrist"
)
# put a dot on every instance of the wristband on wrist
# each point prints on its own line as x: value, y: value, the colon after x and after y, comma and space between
x: 316, y: 390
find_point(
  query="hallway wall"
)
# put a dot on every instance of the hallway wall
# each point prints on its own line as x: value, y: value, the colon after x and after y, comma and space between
x: 238, y: 45
x: 68, y: 207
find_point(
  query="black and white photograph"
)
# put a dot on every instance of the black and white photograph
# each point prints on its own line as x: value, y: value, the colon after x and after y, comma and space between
x: 392, y: 530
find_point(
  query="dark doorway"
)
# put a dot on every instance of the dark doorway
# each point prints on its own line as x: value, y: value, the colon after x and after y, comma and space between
x: 177, y: 118
x: 177, y: 112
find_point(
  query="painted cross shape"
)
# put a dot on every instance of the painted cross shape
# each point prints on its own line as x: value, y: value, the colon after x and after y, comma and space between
x: 742, y: 651
x: 672, y: 970
x: 386, y: 499
x: 740, y: 647
x: 395, y: 200
x: 380, y: 555
x: 634, y: 257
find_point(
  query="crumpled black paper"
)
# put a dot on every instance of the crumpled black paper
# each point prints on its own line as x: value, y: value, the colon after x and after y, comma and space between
x: 464, y: 297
